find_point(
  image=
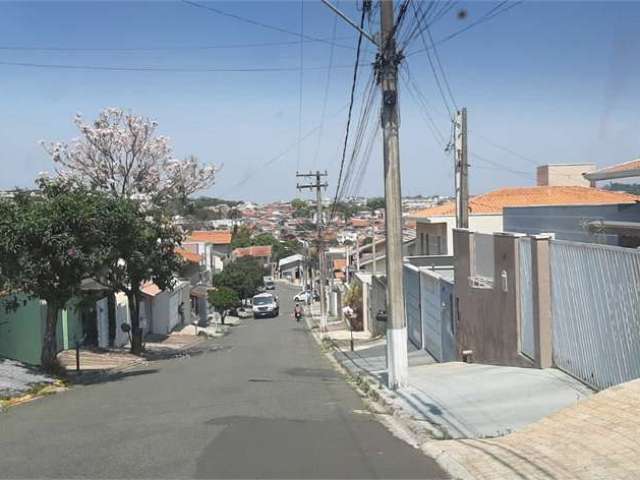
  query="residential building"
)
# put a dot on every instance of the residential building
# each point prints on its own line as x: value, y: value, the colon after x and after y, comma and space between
x: 261, y: 253
x: 292, y: 268
x: 213, y: 246
x: 613, y: 224
x: 163, y: 310
x: 434, y: 226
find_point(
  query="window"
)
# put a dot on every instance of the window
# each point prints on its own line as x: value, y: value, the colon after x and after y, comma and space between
x: 426, y: 252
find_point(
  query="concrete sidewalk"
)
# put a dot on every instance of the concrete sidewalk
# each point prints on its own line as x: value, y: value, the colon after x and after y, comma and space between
x: 599, y: 438
x: 511, y: 423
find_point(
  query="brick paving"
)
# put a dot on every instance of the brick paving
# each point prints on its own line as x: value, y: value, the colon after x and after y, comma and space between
x: 598, y: 438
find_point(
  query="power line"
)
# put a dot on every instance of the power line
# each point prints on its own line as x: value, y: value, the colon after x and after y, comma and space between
x: 351, y: 98
x: 40, y: 48
x: 325, y: 96
x: 152, y: 68
x: 486, y: 17
x: 260, y: 24
x: 301, y: 83
x: 433, y: 68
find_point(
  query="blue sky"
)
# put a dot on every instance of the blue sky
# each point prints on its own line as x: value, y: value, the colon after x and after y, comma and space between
x: 553, y: 82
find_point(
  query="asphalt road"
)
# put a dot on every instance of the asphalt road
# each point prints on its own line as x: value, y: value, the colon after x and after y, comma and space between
x: 264, y: 403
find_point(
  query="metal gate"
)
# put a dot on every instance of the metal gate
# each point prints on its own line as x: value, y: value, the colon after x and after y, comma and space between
x: 596, y: 312
x: 526, y: 327
x: 412, y: 304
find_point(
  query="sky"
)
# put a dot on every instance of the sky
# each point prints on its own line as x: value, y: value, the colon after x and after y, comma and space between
x: 543, y: 82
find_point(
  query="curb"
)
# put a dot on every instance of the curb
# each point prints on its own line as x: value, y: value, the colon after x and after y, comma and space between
x: 380, y: 400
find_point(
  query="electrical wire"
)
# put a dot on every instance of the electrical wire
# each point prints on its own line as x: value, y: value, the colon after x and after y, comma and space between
x: 486, y: 17
x: 433, y: 69
x: 152, y: 68
x: 167, y: 48
x: 259, y: 24
x: 325, y: 96
x: 301, y: 85
x: 351, y: 98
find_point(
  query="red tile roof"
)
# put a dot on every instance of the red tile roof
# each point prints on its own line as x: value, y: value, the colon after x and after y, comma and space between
x: 151, y: 289
x: 189, y: 256
x: 255, y: 251
x: 494, y: 202
x: 217, y: 237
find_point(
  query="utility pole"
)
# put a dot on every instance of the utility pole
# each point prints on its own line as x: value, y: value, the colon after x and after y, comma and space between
x: 386, y: 66
x: 388, y: 60
x: 460, y: 157
x: 318, y: 185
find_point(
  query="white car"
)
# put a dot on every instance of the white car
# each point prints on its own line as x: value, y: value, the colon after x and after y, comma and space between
x: 304, y: 296
x: 265, y: 305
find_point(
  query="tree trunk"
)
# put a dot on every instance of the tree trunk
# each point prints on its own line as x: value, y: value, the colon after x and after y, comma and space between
x: 136, y: 331
x: 48, y: 355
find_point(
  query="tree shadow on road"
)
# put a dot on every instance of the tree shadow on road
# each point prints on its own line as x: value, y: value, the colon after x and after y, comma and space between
x: 104, y: 376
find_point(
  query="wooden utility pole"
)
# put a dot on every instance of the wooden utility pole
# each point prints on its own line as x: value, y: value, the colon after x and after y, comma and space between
x: 318, y: 185
x: 388, y: 61
x: 460, y: 157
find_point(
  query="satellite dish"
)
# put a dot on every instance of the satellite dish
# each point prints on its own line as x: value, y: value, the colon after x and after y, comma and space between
x: 125, y: 327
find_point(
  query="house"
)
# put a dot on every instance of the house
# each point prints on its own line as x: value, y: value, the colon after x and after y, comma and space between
x: 292, y: 268
x: 262, y: 253
x: 213, y: 246
x: 340, y: 268
x: 434, y: 226
x: 378, y: 264
x: 94, y: 323
x: 611, y: 224
x: 162, y: 310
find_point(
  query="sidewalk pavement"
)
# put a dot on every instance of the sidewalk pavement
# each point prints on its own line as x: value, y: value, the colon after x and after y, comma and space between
x: 599, y: 438
x: 156, y: 347
x: 546, y: 425
x: 17, y: 379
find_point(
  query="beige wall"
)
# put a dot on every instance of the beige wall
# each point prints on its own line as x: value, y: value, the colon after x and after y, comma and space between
x: 439, y: 226
x: 487, y: 317
x: 568, y: 175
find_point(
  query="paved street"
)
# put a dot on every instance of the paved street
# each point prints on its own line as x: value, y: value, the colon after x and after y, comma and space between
x: 266, y: 403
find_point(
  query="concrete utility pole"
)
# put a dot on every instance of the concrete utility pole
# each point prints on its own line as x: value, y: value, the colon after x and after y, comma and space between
x: 460, y: 157
x: 387, y: 75
x: 389, y: 59
x: 318, y: 185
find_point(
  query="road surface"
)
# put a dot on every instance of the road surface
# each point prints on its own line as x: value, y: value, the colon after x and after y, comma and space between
x: 264, y: 403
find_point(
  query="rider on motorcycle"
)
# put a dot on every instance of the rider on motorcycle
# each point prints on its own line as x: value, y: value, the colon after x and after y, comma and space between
x: 297, y: 312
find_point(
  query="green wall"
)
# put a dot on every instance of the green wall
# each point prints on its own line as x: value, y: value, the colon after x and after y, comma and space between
x: 21, y: 331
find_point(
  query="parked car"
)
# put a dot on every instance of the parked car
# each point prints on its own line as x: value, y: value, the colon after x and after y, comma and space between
x: 265, y: 305
x: 304, y: 296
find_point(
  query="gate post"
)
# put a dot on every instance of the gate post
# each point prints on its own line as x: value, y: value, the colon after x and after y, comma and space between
x: 542, y: 316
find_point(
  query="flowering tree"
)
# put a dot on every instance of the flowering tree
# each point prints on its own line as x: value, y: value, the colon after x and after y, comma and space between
x: 120, y: 152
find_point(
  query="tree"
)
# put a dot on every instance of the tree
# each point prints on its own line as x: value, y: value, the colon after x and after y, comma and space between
x: 139, y: 248
x: 120, y: 152
x: 241, y: 237
x: 223, y: 299
x: 375, y: 203
x: 298, y: 203
x: 245, y: 276
x: 49, y: 242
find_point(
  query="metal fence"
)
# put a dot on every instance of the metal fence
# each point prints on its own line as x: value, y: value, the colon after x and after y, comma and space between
x: 436, y: 297
x: 526, y: 327
x: 596, y: 312
x: 412, y: 304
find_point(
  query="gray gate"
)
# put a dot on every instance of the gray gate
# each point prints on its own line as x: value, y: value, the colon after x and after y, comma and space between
x: 596, y: 312
x: 526, y: 327
x: 412, y: 304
